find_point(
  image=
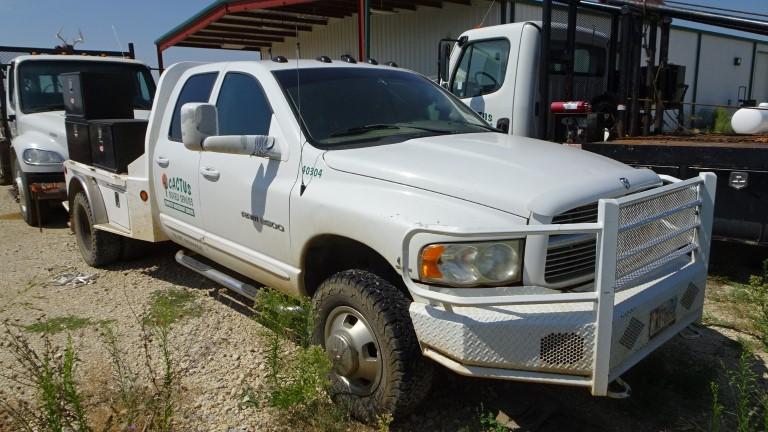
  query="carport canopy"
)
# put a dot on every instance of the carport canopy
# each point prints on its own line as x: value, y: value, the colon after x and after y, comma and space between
x: 254, y: 25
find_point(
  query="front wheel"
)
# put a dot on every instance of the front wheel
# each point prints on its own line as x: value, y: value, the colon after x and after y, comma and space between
x: 26, y: 205
x: 98, y: 248
x: 362, y: 321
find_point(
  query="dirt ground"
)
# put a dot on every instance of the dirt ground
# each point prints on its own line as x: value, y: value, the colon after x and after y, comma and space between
x: 221, y: 352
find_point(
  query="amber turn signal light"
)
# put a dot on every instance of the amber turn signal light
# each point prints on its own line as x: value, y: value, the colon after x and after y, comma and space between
x: 429, y: 262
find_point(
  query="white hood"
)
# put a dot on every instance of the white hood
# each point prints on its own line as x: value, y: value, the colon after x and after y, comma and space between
x: 513, y: 174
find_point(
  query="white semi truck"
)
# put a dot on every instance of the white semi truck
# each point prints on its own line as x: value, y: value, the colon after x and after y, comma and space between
x: 33, y: 139
x: 422, y: 234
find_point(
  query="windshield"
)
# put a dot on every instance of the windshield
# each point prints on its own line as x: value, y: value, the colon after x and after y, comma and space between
x: 342, y: 106
x: 40, y: 87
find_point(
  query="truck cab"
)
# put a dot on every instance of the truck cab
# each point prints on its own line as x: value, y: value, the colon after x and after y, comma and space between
x: 495, y: 71
x: 34, y: 112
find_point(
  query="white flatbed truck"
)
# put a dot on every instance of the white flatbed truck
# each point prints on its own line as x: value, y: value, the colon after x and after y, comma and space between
x: 419, y: 231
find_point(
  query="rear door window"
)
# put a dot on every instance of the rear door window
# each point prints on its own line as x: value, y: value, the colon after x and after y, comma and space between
x: 482, y: 68
x: 197, y: 89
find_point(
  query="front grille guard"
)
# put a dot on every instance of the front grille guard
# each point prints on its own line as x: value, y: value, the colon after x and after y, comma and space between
x: 619, y: 244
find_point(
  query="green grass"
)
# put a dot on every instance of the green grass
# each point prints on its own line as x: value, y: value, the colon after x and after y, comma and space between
x: 297, y: 382
x: 60, y: 324
x: 722, y: 122
x: 170, y: 306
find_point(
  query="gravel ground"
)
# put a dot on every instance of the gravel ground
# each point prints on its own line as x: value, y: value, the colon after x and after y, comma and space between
x: 222, y: 351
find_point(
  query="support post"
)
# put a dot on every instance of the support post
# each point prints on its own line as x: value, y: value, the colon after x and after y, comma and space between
x: 364, y: 30
x: 570, y: 47
x: 612, y: 48
x: 650, y: 77
x: 160, y: 66
x: 636, y: 52
x: 752, y: 70
x: 546, y: 37
x: 131, y: 51
x: 658, y: 125
x: 624, y: 65
x: 695, y: 78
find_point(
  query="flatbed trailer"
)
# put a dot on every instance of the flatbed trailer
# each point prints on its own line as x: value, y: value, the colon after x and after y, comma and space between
x: 741, y: 165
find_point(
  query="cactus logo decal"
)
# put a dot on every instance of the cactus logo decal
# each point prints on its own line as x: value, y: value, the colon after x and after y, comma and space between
x: 178, y: 195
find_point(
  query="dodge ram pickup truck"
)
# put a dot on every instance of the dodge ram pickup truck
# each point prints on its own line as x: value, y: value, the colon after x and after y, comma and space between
x: 422, y: 234
x: 33, y: 118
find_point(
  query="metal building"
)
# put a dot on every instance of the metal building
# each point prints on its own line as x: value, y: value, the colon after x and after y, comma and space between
x: 721, y: 69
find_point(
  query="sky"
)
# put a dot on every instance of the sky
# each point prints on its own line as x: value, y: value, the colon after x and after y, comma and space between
x: 35, y: 23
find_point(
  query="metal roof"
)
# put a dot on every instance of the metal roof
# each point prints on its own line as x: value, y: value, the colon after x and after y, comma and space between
x: 252, y: 25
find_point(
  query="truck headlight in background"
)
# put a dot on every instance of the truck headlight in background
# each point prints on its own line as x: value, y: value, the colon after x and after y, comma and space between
x: 472, y: 264
x: 34, y: 156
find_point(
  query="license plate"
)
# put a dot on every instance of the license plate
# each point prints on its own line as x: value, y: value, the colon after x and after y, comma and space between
x: 662, y: 317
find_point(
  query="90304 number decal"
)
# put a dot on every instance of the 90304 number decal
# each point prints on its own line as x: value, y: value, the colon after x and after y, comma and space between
x: 312, y: 171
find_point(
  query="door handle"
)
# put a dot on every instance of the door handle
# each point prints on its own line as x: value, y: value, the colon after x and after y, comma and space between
x: 210, y: 173
x: 162, y: 161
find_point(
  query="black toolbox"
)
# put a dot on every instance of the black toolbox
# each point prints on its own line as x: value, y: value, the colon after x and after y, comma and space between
x: 92, y: 95
x: 78, y: 139
x: 115, y: 143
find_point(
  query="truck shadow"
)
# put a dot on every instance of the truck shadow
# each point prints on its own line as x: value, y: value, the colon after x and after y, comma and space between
x: 670, y: 388
x: 670, y: 391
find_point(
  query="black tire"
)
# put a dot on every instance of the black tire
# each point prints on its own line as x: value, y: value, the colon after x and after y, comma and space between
x: 6, y: 172
x: 98, y: 248
x: 26, y: 205
x: 405, y: 376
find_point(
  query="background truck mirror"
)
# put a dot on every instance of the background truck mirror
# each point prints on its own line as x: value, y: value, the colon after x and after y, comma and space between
x: 198, y: 122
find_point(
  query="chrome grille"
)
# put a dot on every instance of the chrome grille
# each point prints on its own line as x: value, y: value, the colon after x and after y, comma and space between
x: 583, y: 214
x: 570, y: 261
x: 576, y: 259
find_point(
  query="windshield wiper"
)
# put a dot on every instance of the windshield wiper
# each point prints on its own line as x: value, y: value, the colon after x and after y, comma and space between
x: 484, y: 126
x: 44, y: 108
x: 363, y: 129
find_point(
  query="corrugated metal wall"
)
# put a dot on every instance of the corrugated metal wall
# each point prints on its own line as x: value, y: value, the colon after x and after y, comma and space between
x: 410, y: 39
x: 407, y: 38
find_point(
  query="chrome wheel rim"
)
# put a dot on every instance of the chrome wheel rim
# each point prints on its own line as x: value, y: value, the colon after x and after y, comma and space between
x: 353, y: 350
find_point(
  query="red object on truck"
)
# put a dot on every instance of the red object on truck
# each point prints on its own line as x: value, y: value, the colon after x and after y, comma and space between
x: 570, y: 107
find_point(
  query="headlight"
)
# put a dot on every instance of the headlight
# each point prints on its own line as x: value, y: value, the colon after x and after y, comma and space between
x: 41, y: 157
x: 472, y: 264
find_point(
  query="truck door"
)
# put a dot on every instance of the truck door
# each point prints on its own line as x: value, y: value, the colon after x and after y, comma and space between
x: 176, y: 170
x: 479, y: 79
x: 246, y: 197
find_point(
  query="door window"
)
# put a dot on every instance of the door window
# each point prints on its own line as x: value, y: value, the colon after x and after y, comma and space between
x: 197, y: 89
x: 482, y: 68
x: 243, y: 107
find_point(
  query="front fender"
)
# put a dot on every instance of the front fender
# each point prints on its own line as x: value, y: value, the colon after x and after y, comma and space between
x: 38, y: 140
x: 379, y: 213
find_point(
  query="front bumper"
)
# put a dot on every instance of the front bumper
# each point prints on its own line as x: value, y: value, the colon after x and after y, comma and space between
x: 582, y: 338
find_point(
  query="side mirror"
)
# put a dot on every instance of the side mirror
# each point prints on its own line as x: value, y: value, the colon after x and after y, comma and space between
x: 444, y: 48
x: 198, y: 122
x: 250, y: 145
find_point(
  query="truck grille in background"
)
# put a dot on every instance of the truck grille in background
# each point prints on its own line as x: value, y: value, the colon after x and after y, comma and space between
x: 575, y: 260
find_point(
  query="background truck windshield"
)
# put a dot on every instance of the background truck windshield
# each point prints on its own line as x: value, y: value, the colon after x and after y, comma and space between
x: 40, y: 87
x: 353, y: 105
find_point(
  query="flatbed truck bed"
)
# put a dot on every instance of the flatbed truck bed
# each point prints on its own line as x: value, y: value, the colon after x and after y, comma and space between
x: 741, y: 165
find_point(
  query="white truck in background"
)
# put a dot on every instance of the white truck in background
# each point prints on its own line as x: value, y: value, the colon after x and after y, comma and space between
x: 422, y: 234
x: 33, y: 141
